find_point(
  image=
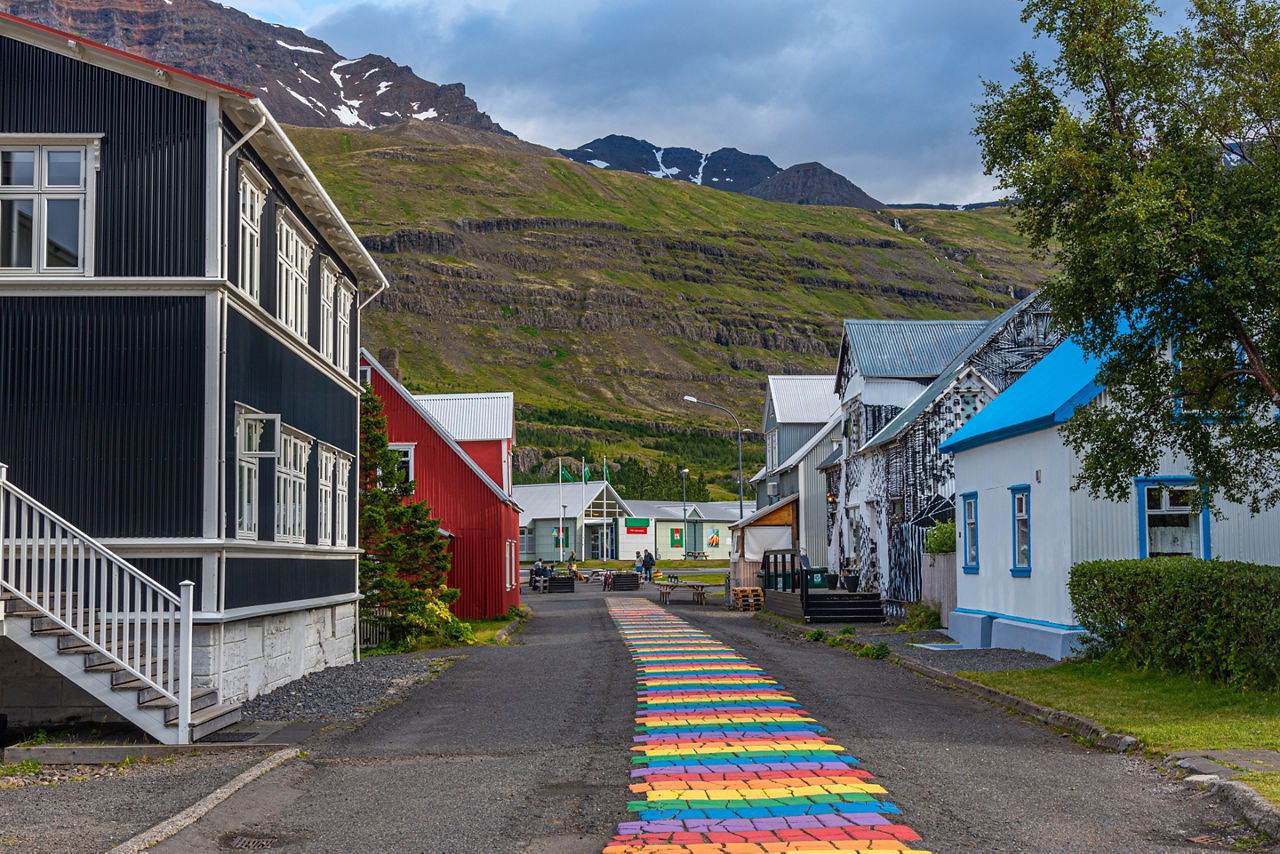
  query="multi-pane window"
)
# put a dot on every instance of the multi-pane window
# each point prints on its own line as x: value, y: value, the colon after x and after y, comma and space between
x: 248, y: 443
x: 45, y: 211
x: 405, y: 452
x: 969, y: 502
x: 253, y: 195
x: 1021, y: 529
x: 771, y: 449
x: 291, y: 488
x: 328, y: 283
x: 341, y: 491
x: 1172, y: 521
x: 526, y: 541
x: 344, y: 297
x: 293, y: 266
x: 324, y: 496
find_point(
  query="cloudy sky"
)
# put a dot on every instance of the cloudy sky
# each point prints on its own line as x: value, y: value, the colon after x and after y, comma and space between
x: 880, y: 92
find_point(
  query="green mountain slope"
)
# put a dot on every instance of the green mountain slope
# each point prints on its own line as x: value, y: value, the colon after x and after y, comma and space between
x: 602, y: 297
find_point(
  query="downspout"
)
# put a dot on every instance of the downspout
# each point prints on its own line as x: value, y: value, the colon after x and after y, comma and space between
x: 226, y: 174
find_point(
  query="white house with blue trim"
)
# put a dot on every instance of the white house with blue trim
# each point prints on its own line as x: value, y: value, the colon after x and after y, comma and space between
x: 1020, y: 527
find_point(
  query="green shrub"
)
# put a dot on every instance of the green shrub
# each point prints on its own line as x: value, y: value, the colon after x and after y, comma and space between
x: 1214, y: 620
x: 941, y: 538
x: 815, y: 636
x: 920, y: 616
x: 874, y: 650
x: 848, y: 630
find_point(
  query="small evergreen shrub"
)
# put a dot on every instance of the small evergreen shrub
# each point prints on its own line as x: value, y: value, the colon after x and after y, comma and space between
x: 874, y: 650
x: 941, y: 538
x: 848, y: 630
x: 1210, y: 619
x: 815, y: 636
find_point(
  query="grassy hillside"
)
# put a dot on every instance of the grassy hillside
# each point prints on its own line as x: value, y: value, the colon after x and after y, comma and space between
x: 602, y: 297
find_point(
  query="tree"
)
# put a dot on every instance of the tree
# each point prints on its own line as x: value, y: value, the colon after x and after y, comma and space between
x: 1149, y: 165
x: 405, y: 562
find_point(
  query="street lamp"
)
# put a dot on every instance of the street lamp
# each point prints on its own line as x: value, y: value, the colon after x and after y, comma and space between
x: 684, y: 510
x: 737, y: 427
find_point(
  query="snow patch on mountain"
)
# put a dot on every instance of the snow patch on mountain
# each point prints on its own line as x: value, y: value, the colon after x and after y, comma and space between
x: 599, y: 164
x: 302, y: 48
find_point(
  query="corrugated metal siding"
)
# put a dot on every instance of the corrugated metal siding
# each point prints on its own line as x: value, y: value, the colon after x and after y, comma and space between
x: 150, y: 210
x: 490, y: 456
x: 265, y: 581
x: 479, y: 520
x: 264, y: 374
x: 103, y: 411
x: 472, y: 417
x: 803, y: 399
x: 908, y: 348
x: 172, y: 571
x: 813, y: 502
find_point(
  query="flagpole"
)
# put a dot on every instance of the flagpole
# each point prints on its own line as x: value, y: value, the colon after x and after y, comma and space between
x: 560, y: 489
x: 582, y: 543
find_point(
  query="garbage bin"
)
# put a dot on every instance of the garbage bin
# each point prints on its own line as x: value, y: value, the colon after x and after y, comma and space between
x: 833, y: 581
x: 816, y: 578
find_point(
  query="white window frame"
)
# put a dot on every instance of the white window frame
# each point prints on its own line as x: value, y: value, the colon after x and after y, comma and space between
x: 366, y: 375
x: 328, y: 284
x: 342, y: 499
x: 411, y: 447
x: 294, y: 251
x: 328, y: 458
x: 771, y: 450
x: 249, y: 431
x: 526, y: 540
x: 40, y: 192
x: 291, y: 487
x: 345, y: 299
x: 253, y: 190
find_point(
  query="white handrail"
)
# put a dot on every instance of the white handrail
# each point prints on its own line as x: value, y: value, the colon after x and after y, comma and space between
x: 99, y: 598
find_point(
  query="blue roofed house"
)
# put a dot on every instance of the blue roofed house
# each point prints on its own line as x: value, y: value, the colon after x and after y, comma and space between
x: 901, y: 481
x: 1021, y: 527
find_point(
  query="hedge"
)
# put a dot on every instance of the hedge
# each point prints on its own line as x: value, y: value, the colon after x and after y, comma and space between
x: 1217, y: 620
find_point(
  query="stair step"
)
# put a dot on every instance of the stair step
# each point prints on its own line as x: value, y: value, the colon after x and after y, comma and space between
x: 200, y: 701
x: 212, y: 719
x: 123, y: 680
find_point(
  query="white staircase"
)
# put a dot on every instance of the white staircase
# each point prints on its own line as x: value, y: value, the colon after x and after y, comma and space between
x: 101, y: 623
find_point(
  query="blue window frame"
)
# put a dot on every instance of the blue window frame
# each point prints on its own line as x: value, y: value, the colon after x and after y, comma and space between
x: 1020, y: 501
x: 1168, y: 522
x: 969, y: 532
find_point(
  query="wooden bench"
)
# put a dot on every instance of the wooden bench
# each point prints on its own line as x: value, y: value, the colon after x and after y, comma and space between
x: 695, y: 555
x: 625, y: 581
x: 697, y: 589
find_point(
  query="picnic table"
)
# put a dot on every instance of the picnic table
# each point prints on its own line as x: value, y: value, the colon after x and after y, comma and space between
x: 697, y: 588
x: 695, y: 555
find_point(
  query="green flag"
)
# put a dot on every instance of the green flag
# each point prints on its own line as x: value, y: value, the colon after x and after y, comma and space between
x: 564, y: 474
x: 585, y: 474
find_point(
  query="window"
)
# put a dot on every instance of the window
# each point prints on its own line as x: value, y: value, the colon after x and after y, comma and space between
x: 341, y: 503
x: 291, y: 488
x: 249, y: 432
x: 526, y: 541
x: 405, y: 450
x: 328, y: 281
x: 1021, y: 530
x: 1169, y: 521
x: 771, y: 449
x: 345, y: 296
x: 293, y: 269
x: 324, y: 496
x: 969, y: 403
x: 253, y: 195
x: 46, y: 207
x: 366, y: 375
x: 969, y: 503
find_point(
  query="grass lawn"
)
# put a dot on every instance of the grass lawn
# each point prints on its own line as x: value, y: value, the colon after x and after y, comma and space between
x: 1166, y: 712
x: 704, y: 578
x: 662, y: 564
x: 1267, y: 785
x: 486, y: 629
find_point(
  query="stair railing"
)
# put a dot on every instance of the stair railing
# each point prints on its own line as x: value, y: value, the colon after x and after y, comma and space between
x: 99, y: 598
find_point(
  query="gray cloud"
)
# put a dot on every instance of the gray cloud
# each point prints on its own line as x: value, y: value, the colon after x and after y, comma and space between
x: 880, y: 92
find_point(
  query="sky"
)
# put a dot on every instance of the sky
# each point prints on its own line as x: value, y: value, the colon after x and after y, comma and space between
x: 880, y: 92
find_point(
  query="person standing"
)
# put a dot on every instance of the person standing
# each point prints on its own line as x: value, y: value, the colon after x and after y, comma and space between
x: 647, y: 563
x: 639, y: 564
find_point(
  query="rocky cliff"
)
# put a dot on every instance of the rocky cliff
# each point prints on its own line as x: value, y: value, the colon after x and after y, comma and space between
x: 302, y: 80
x: 813, y: 184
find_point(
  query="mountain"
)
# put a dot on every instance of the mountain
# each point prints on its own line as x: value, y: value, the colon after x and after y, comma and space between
x: 726, y: 169
x: 302, y: 80
x: 813, y: 184
x: 603, y: 297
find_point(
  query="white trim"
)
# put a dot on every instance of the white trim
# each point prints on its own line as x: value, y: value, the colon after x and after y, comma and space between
x: 295, y: 253
x: 411, y: 447
x: 291, y: 486
x: 40, y: 192
x: 212, y: 413
x: 213, y: 187
x: 253, y: 188
x: 249, y: 612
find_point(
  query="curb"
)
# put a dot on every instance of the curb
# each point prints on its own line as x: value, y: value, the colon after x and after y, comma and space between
x: 110, y: 754
x: 512, y: 627
x: 203, y: 807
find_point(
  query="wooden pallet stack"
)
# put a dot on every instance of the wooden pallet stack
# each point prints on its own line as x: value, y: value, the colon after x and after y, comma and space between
x: 748, y: 598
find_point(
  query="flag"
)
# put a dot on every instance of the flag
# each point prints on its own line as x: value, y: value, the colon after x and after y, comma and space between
x: 585, y: 474
x: 565, y: 475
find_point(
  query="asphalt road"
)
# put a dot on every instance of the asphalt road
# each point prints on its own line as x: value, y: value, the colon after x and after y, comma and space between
x: 526, y: 748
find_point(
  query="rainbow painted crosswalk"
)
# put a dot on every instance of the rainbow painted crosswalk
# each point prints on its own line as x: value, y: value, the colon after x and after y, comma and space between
x: 726, y: 761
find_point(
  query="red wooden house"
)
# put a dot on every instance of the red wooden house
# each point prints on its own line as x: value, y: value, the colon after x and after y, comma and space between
x: 482, y: 520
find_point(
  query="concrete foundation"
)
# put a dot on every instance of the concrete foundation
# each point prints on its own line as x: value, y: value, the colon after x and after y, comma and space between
x: 971, y: 630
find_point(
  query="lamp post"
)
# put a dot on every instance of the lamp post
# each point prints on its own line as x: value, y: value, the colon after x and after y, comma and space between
x: 737, y: 427
x: 684, y: 510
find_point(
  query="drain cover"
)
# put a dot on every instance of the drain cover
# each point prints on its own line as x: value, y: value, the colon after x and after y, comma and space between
x: 244, y: 843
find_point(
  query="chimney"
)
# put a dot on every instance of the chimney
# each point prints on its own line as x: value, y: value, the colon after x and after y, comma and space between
x: 390, y: 359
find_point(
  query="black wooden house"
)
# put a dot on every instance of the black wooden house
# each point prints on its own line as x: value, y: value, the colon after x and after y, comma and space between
x: 179, y: 325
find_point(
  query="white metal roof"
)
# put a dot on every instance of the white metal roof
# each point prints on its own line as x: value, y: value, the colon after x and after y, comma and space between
x: 473, y: 417
x: 803, y: 399
x: 543, y: 500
